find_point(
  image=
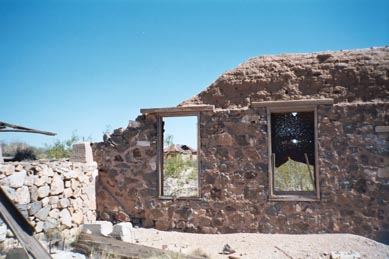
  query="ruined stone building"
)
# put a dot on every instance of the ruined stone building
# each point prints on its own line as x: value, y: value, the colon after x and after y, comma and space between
x: 292, y: 143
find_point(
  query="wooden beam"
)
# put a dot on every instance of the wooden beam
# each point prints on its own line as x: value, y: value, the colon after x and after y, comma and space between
x: 179, y: 110
x: 87, y: 243
x: 7, y: 127
x: 21, y: 228
x: 292, y: 103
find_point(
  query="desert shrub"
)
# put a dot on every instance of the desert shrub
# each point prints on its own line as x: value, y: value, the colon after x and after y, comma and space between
x: 173, y: 165
x: 198, y: 252
x: 61, y: 149
x: 27, y: 153
x: 19, y: 151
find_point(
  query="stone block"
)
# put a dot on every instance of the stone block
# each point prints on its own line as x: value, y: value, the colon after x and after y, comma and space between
x: 65, y: 218
x: 39, y: 181
x: 148, y: 223
x: 123, y: 231
x: 64, y: 203
x: 78, y: 217
x: 143, y: 143
x: 43, y: 191
x: 103, y: 228
x: 383, y: 173
x: 50, y: 223
x: 122, y: 216
x: 45, y: 201
x: 224, y: 139
x: 43, y: 213
x: 68, y: 192
x: 382, y: 129
x: 6, y: 169
x: 34, y: 208
x: 90, y: 216
x: 54, y: 213
x: 29, y: 180
x: 82, y: 152
x: 57, y: 186
x: 22, y: 195
x: 16, y: 180
x: 39, y: 227
x: 133, y: 124
x: 53, y: 200
x: 163, y: 225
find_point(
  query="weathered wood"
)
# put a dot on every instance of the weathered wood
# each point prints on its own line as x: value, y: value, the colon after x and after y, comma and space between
x: 292, y: 103
x: 21, y: 228
x: 7, y: 127
x: 87, y: 243
x: 283, y: 251
x: 179, y: 110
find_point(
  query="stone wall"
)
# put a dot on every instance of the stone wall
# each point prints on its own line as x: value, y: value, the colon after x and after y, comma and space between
x: 353, y: 159
x: 52, y: 195
x: 353, y: 164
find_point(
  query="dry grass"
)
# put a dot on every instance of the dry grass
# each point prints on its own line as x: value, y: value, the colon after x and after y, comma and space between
x: 200, y: 253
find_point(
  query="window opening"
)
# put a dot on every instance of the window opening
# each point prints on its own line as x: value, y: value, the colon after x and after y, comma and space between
x: 179, y: 171
x: 293, y: 152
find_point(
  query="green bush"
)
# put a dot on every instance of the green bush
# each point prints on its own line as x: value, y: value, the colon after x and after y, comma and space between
x: 61, y: 149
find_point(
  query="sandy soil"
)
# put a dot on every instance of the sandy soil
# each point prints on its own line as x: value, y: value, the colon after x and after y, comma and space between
x: 255, y: 246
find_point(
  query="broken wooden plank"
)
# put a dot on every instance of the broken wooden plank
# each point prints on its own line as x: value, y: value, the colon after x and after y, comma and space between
x: 283, y: 251
x: 292, y: 103
x: 7, y: 127
x: 21, y: 228
x: 179, y: 110
x: 87, y: 244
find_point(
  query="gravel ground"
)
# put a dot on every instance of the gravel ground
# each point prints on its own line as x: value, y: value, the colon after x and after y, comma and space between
x: 256, y: 246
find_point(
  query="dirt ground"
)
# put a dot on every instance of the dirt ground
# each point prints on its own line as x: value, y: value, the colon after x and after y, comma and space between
x: 256, y: 246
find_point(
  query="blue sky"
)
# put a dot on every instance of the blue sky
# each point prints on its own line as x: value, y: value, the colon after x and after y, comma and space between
x: 91, y: 65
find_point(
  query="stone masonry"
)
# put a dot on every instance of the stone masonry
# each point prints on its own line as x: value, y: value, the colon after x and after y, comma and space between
x: 51, y: 195
x: 353, y: 159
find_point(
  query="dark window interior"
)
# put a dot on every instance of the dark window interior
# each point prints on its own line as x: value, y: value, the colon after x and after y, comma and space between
x: 293, y: 151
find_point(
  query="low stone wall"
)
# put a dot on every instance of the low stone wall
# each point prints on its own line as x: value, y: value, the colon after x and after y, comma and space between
x: 51, y: 194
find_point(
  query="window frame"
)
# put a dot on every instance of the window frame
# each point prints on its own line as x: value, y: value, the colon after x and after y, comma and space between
x: 292, y: 195
x: 160, y: 153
